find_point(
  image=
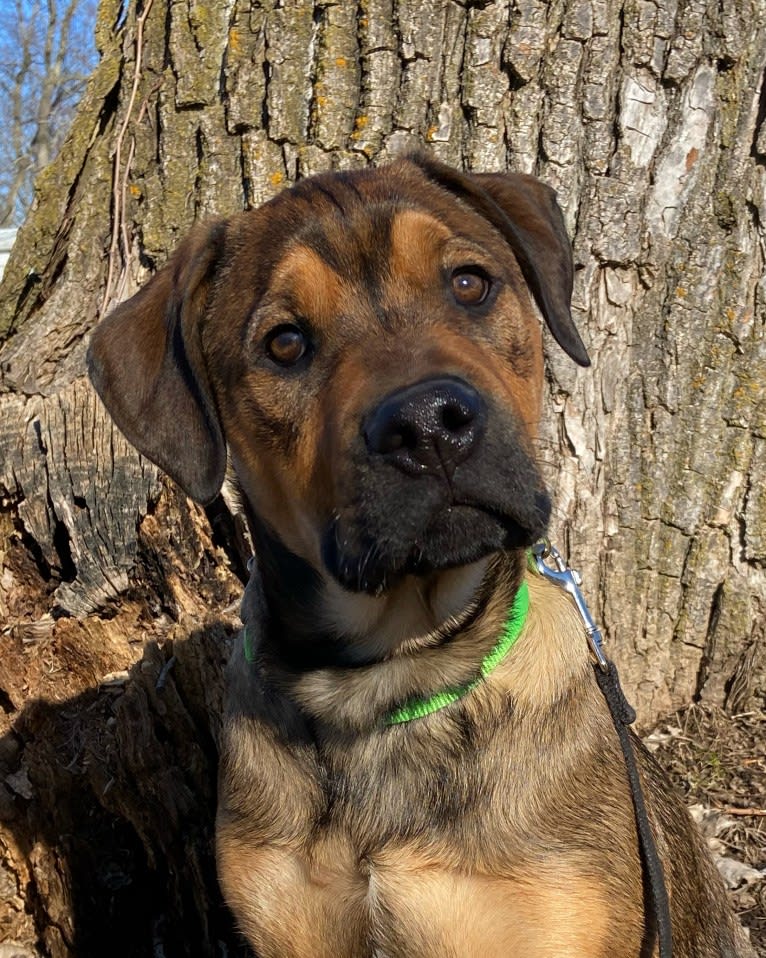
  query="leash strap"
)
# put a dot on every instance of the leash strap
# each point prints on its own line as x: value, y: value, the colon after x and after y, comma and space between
x: 623, y: 715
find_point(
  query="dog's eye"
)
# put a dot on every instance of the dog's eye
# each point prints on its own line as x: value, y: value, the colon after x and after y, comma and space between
x: 470, y: 286
x: 286, y: 345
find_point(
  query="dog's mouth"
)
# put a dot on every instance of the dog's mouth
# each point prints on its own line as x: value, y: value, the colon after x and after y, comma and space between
x: 457, y: 534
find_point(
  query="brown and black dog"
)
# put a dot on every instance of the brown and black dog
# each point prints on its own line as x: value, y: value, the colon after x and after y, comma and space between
x: 366, y: 350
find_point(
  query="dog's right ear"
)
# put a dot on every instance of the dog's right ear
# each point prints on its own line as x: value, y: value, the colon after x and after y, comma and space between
x: 526, y: 214
x: 145, y: 361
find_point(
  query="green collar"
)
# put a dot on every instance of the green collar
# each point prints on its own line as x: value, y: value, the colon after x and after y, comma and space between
x: 418, y: 708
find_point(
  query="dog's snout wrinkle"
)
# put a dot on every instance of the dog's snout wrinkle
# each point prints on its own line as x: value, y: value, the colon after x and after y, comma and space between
x: 427, y: 428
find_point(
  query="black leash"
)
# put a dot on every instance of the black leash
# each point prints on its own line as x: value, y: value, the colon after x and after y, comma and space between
x: 623, y: 715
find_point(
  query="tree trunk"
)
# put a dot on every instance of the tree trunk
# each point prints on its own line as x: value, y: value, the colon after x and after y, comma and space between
x: 117, y: 596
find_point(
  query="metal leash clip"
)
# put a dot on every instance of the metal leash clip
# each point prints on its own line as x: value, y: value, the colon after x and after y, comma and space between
x: 570, y: 580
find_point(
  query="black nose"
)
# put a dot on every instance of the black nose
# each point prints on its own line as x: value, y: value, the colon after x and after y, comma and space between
x: 427, y: 428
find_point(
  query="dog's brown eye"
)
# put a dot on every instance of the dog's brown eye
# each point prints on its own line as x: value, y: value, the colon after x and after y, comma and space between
x: 286, y: 345
x: 469, y: 287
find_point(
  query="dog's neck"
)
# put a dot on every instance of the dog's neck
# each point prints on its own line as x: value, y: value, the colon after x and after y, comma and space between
x: 415, y: 613
x: 313, y: 622
x: 548, y: 660
x: 349, y: 682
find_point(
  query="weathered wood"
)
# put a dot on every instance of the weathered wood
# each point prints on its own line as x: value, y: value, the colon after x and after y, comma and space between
x: 648, y: 119
x: 108, y: 775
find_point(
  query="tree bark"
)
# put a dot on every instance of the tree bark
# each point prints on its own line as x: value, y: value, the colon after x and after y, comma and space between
x: 117, y: 596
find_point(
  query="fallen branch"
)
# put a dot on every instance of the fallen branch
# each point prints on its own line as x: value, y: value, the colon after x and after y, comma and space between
x: 730, y: 810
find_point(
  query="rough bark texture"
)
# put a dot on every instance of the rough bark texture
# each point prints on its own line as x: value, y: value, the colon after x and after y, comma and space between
x: 117, y: 595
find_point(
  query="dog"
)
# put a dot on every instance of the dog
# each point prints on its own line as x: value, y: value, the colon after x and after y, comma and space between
x: 365, y: 352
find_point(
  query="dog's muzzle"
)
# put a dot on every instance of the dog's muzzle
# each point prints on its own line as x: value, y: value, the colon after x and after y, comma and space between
x: 440, y: 478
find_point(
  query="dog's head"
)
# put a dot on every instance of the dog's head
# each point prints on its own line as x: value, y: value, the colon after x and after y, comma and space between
x: 367, y: 348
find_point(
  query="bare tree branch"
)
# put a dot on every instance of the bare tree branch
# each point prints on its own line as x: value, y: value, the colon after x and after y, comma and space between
x: 46, y: 56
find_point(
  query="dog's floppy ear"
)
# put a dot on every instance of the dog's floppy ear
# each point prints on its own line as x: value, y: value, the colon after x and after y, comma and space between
x: 526, y: 213
x: 146, y: 362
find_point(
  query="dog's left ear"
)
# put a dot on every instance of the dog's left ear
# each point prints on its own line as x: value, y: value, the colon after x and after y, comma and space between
x: 526, y: 213
x: 145, y: 360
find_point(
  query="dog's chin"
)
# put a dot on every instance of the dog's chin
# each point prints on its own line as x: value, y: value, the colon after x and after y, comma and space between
x: 457, y: 536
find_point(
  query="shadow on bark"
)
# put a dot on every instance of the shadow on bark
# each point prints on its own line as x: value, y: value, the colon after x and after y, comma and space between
x: 113, y: 807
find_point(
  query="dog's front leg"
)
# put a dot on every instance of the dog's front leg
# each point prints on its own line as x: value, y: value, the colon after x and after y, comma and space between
x: 292, y: 893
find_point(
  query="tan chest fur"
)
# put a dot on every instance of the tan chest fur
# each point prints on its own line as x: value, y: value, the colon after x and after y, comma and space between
x: 324, y: 902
